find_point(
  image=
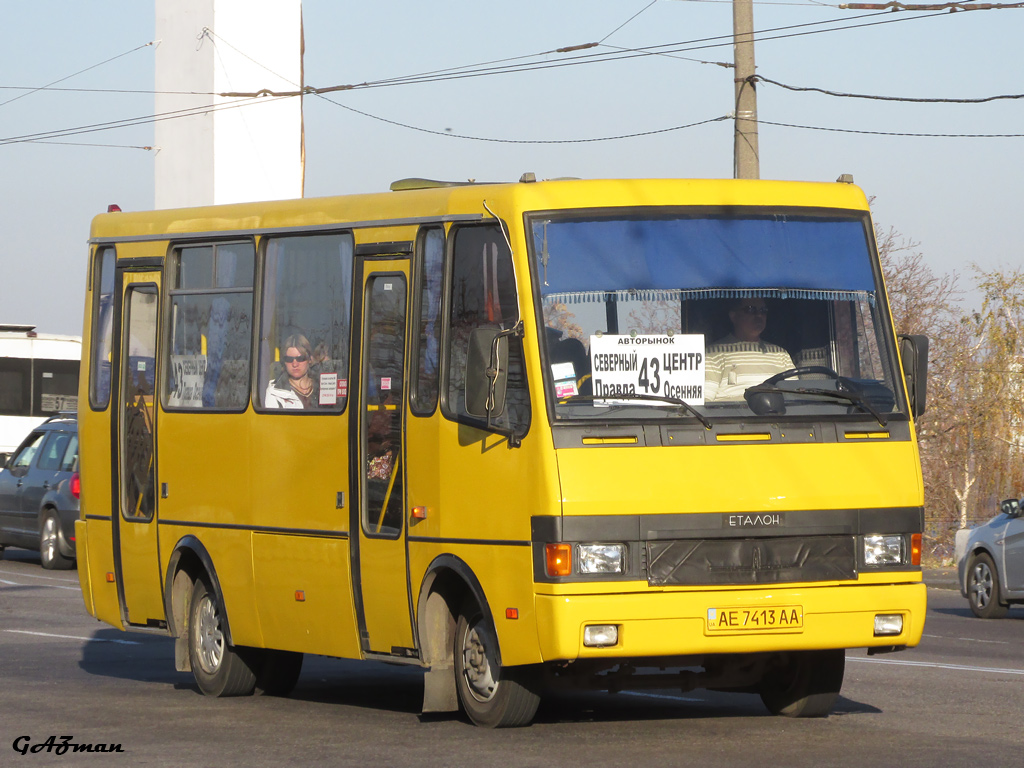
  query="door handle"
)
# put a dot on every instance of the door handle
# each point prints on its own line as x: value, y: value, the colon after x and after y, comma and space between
x: 46, y: 485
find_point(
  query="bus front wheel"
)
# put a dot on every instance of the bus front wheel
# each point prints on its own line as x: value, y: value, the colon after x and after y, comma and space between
x: 491, y: 695
x: 218, y: 667
x: 804, y: 683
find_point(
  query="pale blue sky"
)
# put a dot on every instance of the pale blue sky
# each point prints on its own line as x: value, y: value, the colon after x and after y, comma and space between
x: 959, y: 197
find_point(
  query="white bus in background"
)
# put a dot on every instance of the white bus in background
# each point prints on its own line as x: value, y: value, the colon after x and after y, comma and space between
x: 38, y: 378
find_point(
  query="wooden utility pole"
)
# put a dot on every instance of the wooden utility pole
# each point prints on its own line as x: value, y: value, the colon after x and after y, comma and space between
x: 746, y: 163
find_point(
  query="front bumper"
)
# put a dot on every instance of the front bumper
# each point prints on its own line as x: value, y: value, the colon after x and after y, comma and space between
x: 675, y: 622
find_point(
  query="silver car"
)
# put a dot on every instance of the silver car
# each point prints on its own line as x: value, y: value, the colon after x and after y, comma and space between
x: 990, y: 562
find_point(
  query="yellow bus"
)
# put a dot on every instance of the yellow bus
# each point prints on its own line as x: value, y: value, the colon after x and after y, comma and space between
x: 609, y: 433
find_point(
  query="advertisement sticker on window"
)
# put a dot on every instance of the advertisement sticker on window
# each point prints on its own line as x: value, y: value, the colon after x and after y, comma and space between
x: 188, y: 376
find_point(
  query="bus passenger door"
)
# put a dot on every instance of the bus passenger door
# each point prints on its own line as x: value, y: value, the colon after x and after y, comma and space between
x: 135, y: 531
x: 380, y: 562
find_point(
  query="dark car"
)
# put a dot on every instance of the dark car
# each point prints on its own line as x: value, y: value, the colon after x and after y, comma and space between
x: 39, y: 489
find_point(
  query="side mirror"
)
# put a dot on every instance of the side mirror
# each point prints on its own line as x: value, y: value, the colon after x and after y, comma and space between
x: 486, y: 373
x: 3, y: 460
x: 914, y: 354
x: 1010, y: 507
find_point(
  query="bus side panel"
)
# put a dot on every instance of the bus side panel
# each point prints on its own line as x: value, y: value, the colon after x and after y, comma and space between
x: 95, y: 464
x: 230, y: 551
x: 488, y: 494
x: 99, y: 561
x: 301, y: 490
x: 205, y: 475
x: 82, y: 555
x: 305, y: 601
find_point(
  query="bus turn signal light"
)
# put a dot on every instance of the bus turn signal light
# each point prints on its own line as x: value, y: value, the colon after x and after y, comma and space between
x: 915, y: 549
x: 559, y: 559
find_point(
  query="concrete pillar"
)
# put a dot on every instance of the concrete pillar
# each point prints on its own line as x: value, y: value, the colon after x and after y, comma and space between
x: 228, y: 154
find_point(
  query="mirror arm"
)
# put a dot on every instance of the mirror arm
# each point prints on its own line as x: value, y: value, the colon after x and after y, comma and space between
x: 492, y: 372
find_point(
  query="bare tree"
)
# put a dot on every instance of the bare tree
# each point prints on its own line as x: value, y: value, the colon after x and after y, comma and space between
x: 972, y: 437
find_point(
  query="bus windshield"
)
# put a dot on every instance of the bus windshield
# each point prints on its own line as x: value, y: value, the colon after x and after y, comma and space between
x: 734, y: 315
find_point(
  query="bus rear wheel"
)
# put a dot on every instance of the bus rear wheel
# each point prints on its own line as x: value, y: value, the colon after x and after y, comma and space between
x: 219, y: 669
x: 804, y: 683
x: 491, y: 695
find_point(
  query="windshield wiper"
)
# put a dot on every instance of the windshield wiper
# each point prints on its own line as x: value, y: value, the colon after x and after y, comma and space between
x: 849, y: 397
x: 657, y: 398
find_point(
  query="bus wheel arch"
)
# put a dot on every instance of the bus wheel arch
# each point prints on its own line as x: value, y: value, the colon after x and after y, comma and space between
x: 447, y: 584
x: 189, y: 562
x: 459, y: 642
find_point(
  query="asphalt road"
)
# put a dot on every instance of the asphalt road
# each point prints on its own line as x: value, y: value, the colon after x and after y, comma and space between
x: 956, y: 700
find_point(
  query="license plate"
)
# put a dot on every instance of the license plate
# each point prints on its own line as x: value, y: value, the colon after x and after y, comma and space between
x: 751, y: 619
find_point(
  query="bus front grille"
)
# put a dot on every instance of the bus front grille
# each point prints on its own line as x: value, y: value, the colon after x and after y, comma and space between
x: 751, y: 561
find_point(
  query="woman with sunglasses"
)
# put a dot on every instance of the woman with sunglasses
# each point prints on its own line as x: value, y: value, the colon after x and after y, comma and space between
x: 295, y: 387
x: 742, y: 359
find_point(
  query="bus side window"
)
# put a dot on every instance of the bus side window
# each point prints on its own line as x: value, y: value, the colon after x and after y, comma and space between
x: 102, y: 329
x: 306, y: 301
x: 426, y: 338
x: 210, y: 328
x: 483, y: 295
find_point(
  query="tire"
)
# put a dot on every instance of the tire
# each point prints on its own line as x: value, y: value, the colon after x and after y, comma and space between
x: 983, y: 588
x: 49, y: 544
x: 804, y: 683
x: 219, y: 669
x: 491, y: 696
x: 277, y: 671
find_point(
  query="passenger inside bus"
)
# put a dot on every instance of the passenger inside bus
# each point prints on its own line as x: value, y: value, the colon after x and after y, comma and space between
x: 743, y: 359
x: 294, y: 388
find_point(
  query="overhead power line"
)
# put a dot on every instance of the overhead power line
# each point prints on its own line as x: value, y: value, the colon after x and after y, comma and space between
x: 896, y: 133
x: 951, y: 7
x: 907, y: 99
x: 75, y: 74
x: 499, y: 67
x: 518, y: 64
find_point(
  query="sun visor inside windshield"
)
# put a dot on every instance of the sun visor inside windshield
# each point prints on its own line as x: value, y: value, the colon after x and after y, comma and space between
x: 817, y: 258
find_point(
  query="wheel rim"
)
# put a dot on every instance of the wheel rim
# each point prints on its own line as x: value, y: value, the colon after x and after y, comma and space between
x: 48, y: 546
x: 982, y: 583
x: 210, y: 639
x: 476, y: 664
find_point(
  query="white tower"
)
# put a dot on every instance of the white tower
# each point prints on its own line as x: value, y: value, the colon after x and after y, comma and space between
x: 228, y: 154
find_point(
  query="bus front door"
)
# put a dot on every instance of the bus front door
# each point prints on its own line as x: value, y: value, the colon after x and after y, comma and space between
x: 135, y: 531
x: 380, y: 563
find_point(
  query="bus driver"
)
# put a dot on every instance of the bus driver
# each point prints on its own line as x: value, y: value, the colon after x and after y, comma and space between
x: 742, y: 359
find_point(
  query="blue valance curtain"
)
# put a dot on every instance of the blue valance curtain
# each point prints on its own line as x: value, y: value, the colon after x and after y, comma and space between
x: 705, y: 257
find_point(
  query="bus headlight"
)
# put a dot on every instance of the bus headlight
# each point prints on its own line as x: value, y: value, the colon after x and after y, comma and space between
x: 601, y: 558
x: 884, y: 550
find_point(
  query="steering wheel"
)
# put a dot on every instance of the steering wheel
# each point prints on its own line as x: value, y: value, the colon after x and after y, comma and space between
x: 804, y: 369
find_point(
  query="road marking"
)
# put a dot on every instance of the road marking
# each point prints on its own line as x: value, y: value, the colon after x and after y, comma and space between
x: 968, y: 639
x: 50, y: 586
x: 73, y: 637
x: 40, y: 576
x: 960, y: 667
